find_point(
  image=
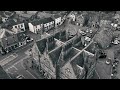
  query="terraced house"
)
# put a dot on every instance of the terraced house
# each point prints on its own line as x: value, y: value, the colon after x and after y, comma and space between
x: 8, y: 40
x: 41, y: 25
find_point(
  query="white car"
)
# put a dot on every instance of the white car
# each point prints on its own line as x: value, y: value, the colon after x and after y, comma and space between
x: 82, y: 32
x: 30, y: 40
x: 107, y: 62
x: 20, y: 77
x: 116, y: 41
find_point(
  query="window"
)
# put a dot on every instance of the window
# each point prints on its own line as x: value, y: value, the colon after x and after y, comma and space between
x: 15, y: 26
x: 18, y: 26
x: 7, y: 43
x: 21, y: 25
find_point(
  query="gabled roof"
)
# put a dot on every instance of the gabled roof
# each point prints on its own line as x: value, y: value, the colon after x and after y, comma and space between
x: 104, y: 37
x: 42, y: 21
x: 43, y: 15
x: 41, y: 45
x: 54, y: 55
x: 56, y: 16
x: 5, y: 33
x: 10, y: 23
x: 103, y: 70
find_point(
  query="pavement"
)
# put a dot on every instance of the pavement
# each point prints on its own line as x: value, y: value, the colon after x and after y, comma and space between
x: 13, y: 62
x: 19, y: 69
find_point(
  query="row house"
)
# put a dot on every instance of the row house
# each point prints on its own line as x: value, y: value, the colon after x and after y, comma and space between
x: 57, y: 19
x: 19, y: 27
x: 39, y: 26
x: 21, y: 38
x: 105, y: 23
x: 11, y: 40
x: 15, y: 25
x: 8, y: 40
x: 72, y: 16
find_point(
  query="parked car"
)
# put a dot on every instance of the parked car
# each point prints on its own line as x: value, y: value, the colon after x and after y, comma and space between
x: 82, y: 32
x: 116, y: 41
x: 102, y: 54
x: 108, y: 61
x: 20, y: 77
x: 29, y: 39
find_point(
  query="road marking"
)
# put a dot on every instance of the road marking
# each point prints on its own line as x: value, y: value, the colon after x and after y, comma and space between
x: 8, y: 59
x: 30, y: 74
x: 17, y: 62
x: 27, y: 71
x: 15, y: 67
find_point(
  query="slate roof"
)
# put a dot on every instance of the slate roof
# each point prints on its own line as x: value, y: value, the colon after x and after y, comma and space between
x: 54, y: 55
x: 95, y: 75
x: 3, y: 74
x: 10, y: 23
x: 41, y: 45
x: 56, y: 16
x: 40, y: 21
x: 104, y: 37
x: 103, y: 70
x: 5, y: 33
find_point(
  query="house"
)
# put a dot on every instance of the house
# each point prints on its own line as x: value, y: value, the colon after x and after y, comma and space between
x: 41, y: 25
x: 36, y: 26
x: 14, y: 25
x: 4, y: 19
x: 57, y: 19
x: 21, y: 38
x: 63, y: 17
x: 72, y: 16
x: 18, y: 26
x: 5, y: 16
x: 8, y: 40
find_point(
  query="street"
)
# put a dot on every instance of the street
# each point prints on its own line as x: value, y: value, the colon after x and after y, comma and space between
x: 19, y: 69
x: 12, y: 62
